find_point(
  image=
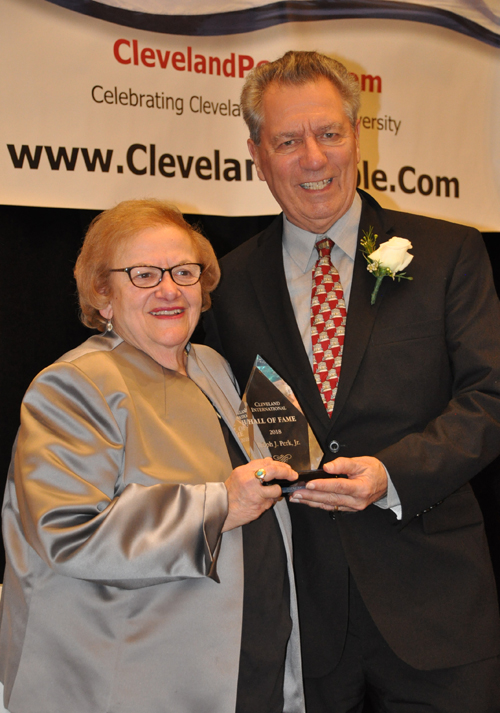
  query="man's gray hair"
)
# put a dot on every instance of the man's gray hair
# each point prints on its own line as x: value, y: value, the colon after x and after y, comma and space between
x: 292, y: 69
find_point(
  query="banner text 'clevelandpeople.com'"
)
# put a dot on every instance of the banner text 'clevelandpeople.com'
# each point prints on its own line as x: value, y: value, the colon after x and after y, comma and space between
x: 141, y: 159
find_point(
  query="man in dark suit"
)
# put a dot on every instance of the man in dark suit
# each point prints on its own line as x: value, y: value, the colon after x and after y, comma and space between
x: 396, y: 592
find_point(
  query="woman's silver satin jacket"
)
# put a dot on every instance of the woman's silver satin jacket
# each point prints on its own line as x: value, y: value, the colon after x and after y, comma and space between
x: 120, y: 594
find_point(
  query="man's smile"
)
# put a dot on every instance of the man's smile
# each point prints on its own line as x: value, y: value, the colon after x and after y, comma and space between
x: 316, y: 185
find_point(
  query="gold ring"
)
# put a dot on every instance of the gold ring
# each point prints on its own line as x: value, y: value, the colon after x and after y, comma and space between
x: 335, y: 508
x: 260, y: 474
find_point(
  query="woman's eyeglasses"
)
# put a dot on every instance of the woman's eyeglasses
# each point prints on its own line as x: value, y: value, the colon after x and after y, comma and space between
x: 146, y: 276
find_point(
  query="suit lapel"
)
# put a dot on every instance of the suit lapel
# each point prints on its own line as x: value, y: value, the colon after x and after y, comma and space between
x: 289, y: 358
x: 361, y: 314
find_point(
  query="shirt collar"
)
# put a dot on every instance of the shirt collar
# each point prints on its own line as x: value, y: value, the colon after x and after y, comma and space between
x: 299, y: 243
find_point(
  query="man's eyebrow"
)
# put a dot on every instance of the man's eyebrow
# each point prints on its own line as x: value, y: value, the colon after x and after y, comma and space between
x: 334, y: 125
x: 287, y: 135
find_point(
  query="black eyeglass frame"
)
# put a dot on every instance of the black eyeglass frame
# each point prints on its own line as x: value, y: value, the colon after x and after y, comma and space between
x: 163, y: 271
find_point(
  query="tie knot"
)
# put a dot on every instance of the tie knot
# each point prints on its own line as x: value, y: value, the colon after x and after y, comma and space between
x: 324, y: 246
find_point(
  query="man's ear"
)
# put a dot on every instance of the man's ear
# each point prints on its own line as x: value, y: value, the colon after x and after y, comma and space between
x: 254, y: 153
x: 356, y: 134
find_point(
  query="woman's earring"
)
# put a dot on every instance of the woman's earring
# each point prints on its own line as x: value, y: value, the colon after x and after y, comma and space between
x: 109, y: 326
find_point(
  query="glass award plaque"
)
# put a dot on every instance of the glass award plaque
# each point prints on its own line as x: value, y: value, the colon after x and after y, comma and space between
x: 271, y: 422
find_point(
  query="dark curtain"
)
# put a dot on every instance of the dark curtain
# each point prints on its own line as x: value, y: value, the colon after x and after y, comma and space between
x: 39, y: 312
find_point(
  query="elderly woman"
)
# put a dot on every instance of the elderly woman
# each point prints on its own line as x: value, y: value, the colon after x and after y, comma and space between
x: 148, y: 569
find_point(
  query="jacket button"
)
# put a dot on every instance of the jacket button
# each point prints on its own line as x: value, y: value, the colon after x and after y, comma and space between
x: 334, y: 447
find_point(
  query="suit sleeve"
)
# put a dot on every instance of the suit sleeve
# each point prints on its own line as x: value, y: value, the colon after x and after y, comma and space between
x: 77, y: 514
x: 428, y: 466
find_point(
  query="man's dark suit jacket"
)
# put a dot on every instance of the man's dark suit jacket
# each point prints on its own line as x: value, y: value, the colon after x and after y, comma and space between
x: 420, y: 390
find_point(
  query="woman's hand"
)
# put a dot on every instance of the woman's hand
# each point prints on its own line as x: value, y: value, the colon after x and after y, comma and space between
x: 248, y: 497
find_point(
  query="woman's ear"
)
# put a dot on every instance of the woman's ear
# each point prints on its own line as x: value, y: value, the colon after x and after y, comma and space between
x: 107, y: 312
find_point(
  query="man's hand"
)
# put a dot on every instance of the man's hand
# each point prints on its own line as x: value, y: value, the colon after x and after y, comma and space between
x: 366, y: 483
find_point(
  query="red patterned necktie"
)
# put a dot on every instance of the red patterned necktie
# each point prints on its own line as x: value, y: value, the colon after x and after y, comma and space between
x: 328, y: 317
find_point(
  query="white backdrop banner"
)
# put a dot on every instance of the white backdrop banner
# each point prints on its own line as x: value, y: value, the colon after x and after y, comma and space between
x: 103, y: 101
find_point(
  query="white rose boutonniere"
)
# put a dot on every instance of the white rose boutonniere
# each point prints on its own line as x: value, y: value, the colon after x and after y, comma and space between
x: 387, y: 260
